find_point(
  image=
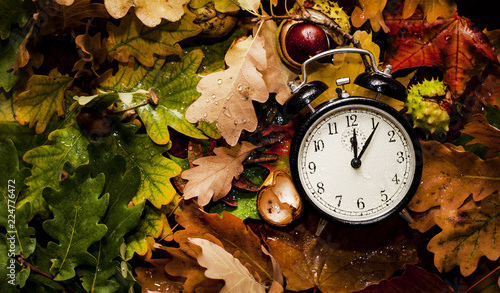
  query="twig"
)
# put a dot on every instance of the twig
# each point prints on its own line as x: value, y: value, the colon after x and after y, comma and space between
x: 38, y: 271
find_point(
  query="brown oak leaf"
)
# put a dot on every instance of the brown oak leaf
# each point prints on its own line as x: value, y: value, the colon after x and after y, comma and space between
x: 227, y: 96
x: 453, y: 44
x: 214, y: 174
x: 450, y: 175
x: 155, y: 279
x: 414, y: 280
x: 228, y: 232
x: 483, y: 133
x: 468, y: 234
x: 341, y: 259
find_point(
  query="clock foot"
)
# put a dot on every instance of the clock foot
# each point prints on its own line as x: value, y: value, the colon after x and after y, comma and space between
x: 405, y: 215
x: 321, y: 226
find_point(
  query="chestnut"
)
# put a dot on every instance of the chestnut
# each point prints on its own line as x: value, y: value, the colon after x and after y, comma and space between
x: 279, y: 203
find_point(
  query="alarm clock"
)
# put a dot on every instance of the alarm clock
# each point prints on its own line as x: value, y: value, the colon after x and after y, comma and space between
x: 356, y: 160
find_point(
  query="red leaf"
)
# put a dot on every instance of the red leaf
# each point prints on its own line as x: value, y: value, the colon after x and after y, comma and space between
x: 454, y: 45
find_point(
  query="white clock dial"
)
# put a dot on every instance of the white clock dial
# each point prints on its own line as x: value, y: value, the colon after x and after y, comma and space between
x: 356, y: 163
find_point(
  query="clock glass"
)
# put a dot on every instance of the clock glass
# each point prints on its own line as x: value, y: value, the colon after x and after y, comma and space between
x: 356, y: 160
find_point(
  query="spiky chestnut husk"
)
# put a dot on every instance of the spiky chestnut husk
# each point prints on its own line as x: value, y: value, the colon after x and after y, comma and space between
x: 213, y: 23
x: 423, y: 107
x: 319, y: 11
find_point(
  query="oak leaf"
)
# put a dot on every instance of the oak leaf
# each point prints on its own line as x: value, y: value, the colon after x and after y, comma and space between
x: 450, y: 175
x: 142, y: 240
x: 227, y: 231
x: 92, y: 50
x: 458, y: 49
x: 483, y: 133
x: 149, y: 12
x: 132, y: 38
x: 372, y: 11
x: 468, y: 234
x: 221, y: 264
x: 43, y: 97
x: 156, y: 279
x: 414, y: 280
x: 8, y: 53
x: 13, y: 12
x: 341, y: 259
x: 213, y: 176
x: 227, y: 96
x: 433, y: 9
x: 223, y: 6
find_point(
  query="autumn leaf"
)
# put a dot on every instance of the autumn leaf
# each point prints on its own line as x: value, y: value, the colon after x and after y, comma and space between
x: 483, y: 133
x: 223, y: 6
x: 92, y: 50
x: 468, y: 234
x: 453, y: 45
x: 132, y: 38
x: 227, y: 96
x: 450, y: 175
x: 414, y: 280
x: 433, y: 9
x: 8, y: 53
x: 221, y: 264
x: 277, y: 75
x: 156, y: 279
x: 149, y: 12
x: 372, y: 11
x: 341, y: 259
x: 77, y: 207
x: 228, y: 232
x: 175, y: 85
x: 251, y: 6
x: 13, y: 12
x: 44, y: 97
x: 212, y: 178
x: 143, y: 239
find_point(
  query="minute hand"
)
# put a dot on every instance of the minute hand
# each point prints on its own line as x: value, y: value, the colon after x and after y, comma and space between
x: 368, y: 140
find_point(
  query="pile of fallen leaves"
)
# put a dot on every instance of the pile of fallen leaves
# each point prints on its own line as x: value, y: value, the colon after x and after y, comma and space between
x: 133, y: 145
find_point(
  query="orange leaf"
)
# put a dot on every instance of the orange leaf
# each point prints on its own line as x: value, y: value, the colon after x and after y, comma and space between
x: 372, y: 11
x: 483, y: 133
x: 450, y: 175
x: 341, y: 259
x: 155, y: 279
x: 451, y: 44
x: 433, y: 9
x: 468, y: 234
x: 214, y: 174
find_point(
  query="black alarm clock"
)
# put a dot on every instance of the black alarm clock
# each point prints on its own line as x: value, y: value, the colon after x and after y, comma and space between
x: 355, y: 159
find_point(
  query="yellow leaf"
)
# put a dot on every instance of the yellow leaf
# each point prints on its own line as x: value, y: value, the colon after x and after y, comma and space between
x: 150, y: 12
x: 433, y: 9
x: 372, y: 11
x: 44, y: 97
x: 227, y: 96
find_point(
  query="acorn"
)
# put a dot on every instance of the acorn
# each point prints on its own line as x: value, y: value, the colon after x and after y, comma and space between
x: 93, y: 123
x: 279, y: 203
x: 297, y: 41
x: 214, y: 24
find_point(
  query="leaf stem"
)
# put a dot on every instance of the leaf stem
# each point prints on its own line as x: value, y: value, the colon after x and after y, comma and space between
x: 24, y: 262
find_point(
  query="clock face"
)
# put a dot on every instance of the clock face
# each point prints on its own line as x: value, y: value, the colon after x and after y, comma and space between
x: 356, y: 160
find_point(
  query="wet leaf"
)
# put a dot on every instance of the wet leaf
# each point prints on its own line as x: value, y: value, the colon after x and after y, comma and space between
x: 132, y: 38
x: 341, y: 259
x: 453, y: 44
x: 220, y: 264
x: 433, y: 9
x: 372, y: 11
x: 77, y: 207
x: 175, y: 85
x: 149, y: 12
x: 44, y: 97
x: 143, y: 239
x: 211, y: 179
x: 450, y: 175
x: 155, y: 279
x: 468, y: 234
x: 227, y: 96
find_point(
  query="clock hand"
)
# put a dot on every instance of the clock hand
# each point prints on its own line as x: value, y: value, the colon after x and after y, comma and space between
x: 368, y: 140
x: 355, y: 162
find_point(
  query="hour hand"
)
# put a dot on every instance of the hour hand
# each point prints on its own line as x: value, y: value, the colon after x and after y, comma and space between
x: 354, y: 143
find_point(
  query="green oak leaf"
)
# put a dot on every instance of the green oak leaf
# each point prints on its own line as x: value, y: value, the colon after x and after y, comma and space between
x: 14, y: 220
x: 66, y: 145
x: 133, y: 38
x: 77, y: 210
x: 44, y: 97
x: 174, y: 83
x: 7, y: 106
x: 13, y: 12
x: 8, y: 53
x: 139, y: 151
x: 119, y: 219
x: 150, y: 227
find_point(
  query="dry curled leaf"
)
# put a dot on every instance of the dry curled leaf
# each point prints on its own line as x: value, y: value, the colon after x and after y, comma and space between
x: 227, y: 96
x: 214, y: 174
x: 221, y: 264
